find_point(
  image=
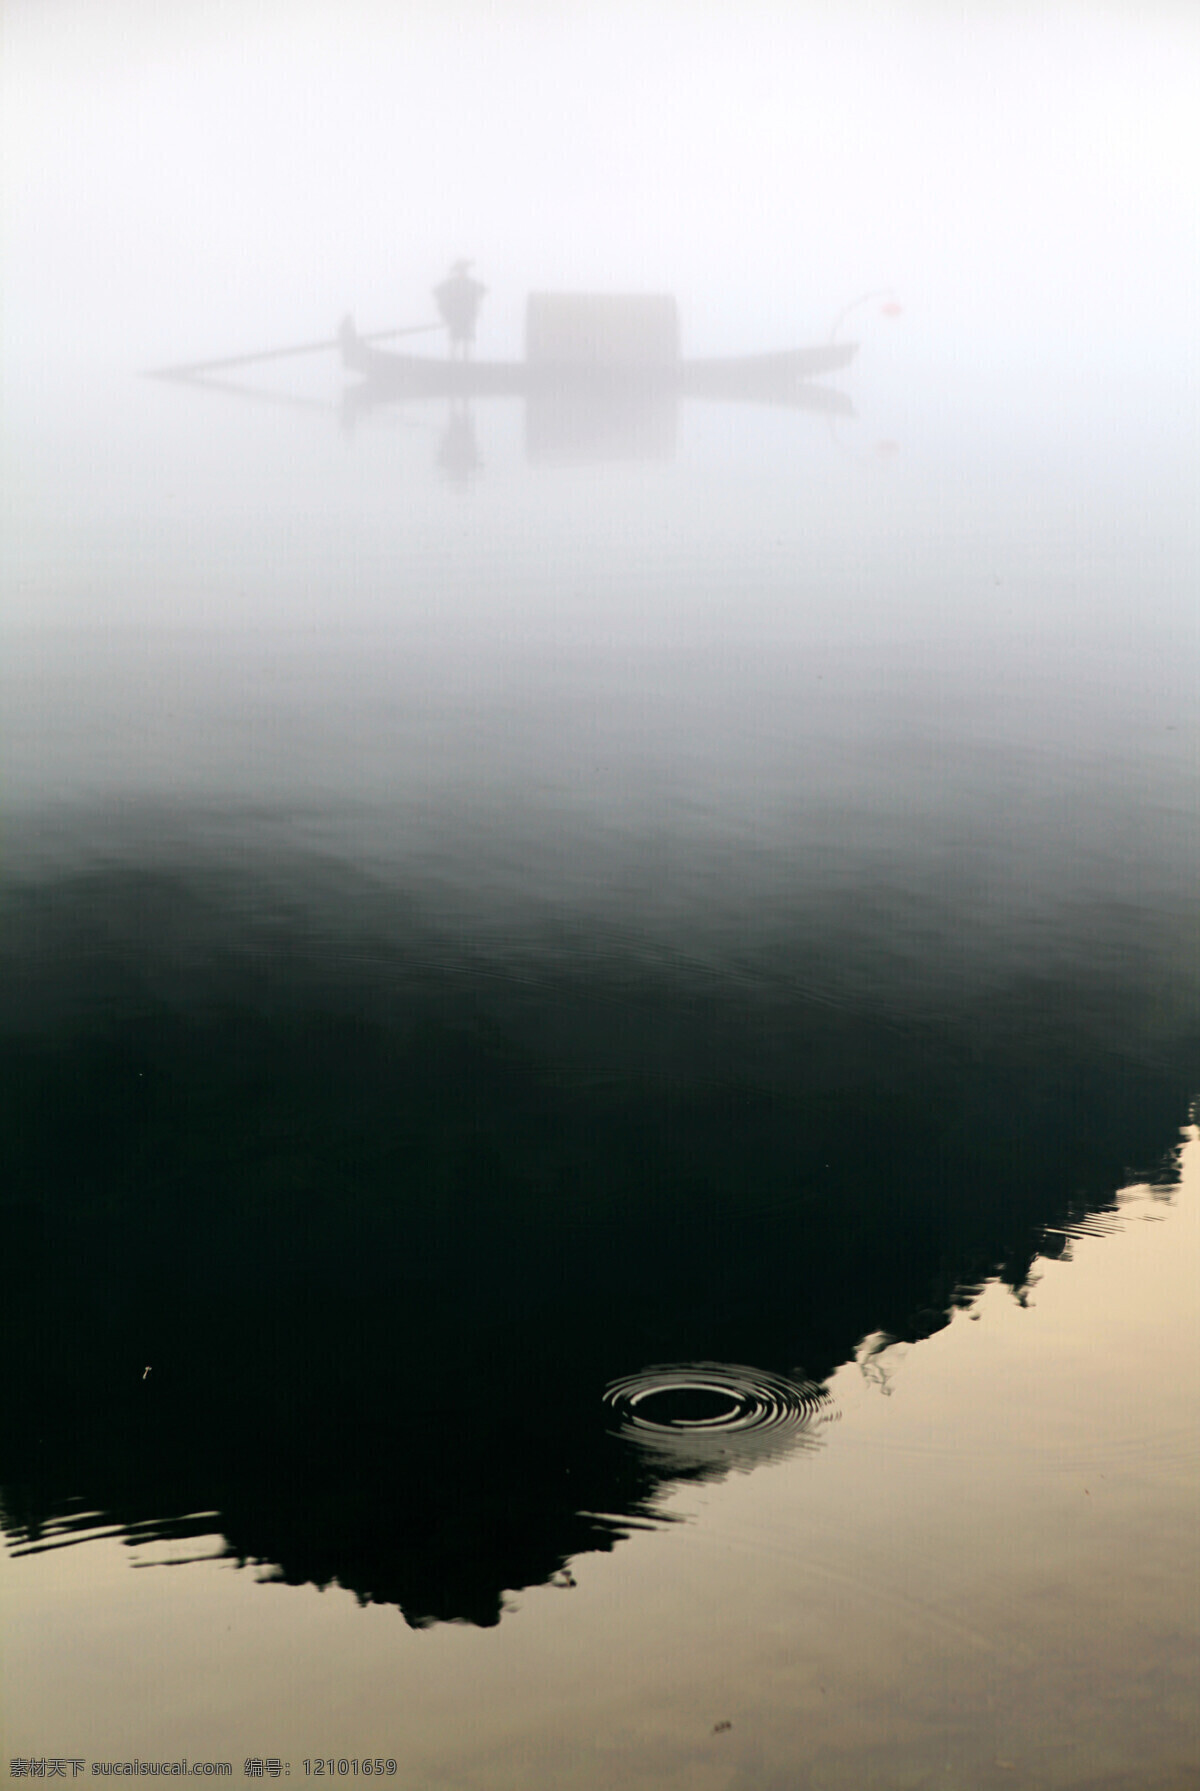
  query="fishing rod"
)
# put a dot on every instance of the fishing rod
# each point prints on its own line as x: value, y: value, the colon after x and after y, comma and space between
x: 891, y: 309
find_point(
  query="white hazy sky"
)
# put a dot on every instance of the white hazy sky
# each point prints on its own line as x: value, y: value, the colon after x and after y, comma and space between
x: 196, y: 175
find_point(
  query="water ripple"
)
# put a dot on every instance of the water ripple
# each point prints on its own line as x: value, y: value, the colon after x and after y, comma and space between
x: 719, y: 1414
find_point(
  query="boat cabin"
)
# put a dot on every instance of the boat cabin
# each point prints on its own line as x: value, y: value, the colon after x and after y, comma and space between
x: 606, y: 329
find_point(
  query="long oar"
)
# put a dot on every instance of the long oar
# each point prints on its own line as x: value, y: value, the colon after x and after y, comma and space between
x: 279, y: 354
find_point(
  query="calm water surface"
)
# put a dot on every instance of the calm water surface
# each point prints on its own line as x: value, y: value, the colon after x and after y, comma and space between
x: 599, y: 1016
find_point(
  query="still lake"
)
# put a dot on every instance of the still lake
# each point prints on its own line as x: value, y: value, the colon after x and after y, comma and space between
x: 600, y: 1021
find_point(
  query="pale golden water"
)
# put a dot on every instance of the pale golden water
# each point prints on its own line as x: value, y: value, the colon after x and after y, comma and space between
x: 982, y: 1572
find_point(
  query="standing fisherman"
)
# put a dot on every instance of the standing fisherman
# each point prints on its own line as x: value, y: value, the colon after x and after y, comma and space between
x: 458, y: 299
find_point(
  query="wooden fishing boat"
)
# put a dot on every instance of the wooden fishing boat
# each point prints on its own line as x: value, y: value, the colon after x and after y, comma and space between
x: 761, y: 376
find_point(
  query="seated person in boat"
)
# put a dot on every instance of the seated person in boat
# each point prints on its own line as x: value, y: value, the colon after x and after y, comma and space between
x: 458, y: 299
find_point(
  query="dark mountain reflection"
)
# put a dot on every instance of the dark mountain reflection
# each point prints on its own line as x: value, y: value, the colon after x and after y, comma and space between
x: 384, y: 1208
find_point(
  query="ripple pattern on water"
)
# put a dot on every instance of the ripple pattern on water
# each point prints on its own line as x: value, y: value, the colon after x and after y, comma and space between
x: 717, y: 1414
x: 69, y: 1526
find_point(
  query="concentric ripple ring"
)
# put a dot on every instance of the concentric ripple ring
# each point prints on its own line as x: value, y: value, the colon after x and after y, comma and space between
x: 718, y: 1412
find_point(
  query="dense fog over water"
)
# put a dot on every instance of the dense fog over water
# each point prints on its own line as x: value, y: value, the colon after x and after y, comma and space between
x: 213, y: 178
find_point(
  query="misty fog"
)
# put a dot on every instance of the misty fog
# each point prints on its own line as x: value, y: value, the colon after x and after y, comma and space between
x: 209, y: 176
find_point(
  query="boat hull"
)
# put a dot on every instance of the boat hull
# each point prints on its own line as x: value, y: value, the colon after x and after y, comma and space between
x: 737, y: 376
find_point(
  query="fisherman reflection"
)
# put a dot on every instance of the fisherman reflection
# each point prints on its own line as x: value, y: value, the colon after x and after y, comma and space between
x: 458, y: 454
x: 458, y: 299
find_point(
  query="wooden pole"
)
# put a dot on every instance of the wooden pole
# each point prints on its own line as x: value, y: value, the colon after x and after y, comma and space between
x: 279, y: 354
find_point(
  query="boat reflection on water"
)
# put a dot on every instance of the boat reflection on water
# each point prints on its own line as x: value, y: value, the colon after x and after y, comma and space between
x: 578, y: 427
x: 459, y: 456
x: 449, y: 1260
x: 602, y: 381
